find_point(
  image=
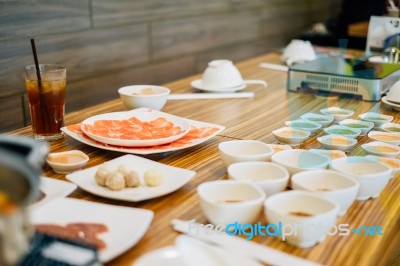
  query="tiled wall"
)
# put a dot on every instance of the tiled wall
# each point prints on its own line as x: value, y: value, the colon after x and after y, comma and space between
x: 107, y: 44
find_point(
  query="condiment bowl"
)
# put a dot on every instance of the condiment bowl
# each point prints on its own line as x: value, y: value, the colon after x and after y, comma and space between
x: 67, y: 161
x: 148, y: 96
x: 298, y: 160
x: 381, y: 149
x: 236, y: 151
x: 338, y: 113
x: 336, y: 142
x: 333, y: 154
x: 279, y: 147
x: 291, y: 136
x: 363, y: 126
x: 390, y: 127
x: 330, y: 185
x: 303, y: 217
x: 227, y: 201
x: 343, y: 131
x: 371, y: 175
x: 392, y: 163
x: 304, y: 124
x: 270, y: 177
x: 376, y: 118
x: 387, y: 137
x: 324, y: 120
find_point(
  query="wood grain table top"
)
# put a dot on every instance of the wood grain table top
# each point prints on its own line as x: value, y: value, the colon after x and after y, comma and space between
x: 252, y: 118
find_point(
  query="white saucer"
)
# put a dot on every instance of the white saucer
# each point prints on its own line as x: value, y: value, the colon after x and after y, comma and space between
x: 393, y: 105
x: 198, y: 84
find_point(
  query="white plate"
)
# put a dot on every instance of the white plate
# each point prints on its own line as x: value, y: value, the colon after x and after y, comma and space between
x: 126, y: 225
x: 208, y: 131
x: 198, y: 84
x: 166, y: 256
x: 53, y: 188
x: 143, y: 114
x: 393, y: 105
x: 173, y: 179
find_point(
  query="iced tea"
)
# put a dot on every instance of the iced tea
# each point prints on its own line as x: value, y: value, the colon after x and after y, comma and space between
x: 47, y: 102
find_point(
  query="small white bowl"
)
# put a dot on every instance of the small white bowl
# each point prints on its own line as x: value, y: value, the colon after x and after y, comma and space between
x: 328, y: 184
x: 343, y: 131
x: 67, y: 161
x: 304, y: 124
x: 363, y: 126
x: 237, y: 151
x: 371, y: 175
x: 324, y: 120
x: 336, y: 142
x: 227, y: 201
x: 333, y: 154
x: 390, y: 127
x: 290, y: 210
x: 291, y: 136
x: 270, y: 177
x: 376, y: 118
x: 148, y: 96
x: 338, y: 113
x: 279, y: 147
x: 298, y: 160
x: 387, y: 137
x: 383, y: 149
x: 392, y: 163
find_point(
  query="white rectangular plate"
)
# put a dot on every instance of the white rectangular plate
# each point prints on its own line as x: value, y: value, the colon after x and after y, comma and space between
x: 173, y: 179
x: 53, y: 188
x: 126, y: 225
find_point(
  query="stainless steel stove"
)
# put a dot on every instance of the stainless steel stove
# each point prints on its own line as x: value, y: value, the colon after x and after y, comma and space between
x: 336, y: 75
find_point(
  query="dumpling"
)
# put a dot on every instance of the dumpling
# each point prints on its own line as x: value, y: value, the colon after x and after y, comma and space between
x: 115, y: 181
x: 101, y: 174
x: 153, y: 177
x: 132, y: 179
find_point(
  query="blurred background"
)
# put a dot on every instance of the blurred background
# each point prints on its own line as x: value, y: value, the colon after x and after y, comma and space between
x: 108, y: 44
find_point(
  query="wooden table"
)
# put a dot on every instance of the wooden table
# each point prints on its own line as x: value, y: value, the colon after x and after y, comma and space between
x: 247, y: 119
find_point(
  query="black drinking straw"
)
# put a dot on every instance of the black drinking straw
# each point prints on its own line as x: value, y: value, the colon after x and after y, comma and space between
x: 35, y: 57
x: 39, y: 81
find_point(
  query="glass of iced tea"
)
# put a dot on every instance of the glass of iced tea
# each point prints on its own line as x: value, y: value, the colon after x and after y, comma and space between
x: 46, y: 100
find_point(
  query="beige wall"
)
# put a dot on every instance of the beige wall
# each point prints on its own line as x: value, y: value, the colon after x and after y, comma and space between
x: 107, y: 44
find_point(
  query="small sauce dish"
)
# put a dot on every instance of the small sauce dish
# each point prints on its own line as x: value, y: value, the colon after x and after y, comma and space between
x: 279, y: 147
x: 392, y: 163
x: 383, y: 149
x: 303, y: 124
x: 343, y: 131
x: 337, y: 142
x: 338, y: 113
x: 324, y: 120
x: 387, y: 137
x: 376, y: 118
x: 291, y: 136
x: 236, y: 151
x: 67, y: 162
x: 333, y: 154
x: 363, y: 126
x: 390, y: 127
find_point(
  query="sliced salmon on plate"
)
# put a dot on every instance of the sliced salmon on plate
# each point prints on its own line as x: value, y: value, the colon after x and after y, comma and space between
x: 137, y: 128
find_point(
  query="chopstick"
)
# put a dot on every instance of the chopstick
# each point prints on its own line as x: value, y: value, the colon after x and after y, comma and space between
x: 247, y: 248
x: 200, y: 96
x: 274, y: 67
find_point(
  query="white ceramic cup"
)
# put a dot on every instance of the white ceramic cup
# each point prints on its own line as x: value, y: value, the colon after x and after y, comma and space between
x: 393, y: 94
x: 298, y: 50
x: 221, y: 74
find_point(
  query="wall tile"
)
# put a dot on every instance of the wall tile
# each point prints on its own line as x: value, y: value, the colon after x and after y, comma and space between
x: 106, y: 12
x: 177, y: 37
x: 32, y: 18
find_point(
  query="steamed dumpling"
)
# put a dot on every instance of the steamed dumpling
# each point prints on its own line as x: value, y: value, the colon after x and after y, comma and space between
x: 115, y: 181
x: 132, y: 179
x: 101, y: 174
x: 153, y: 177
